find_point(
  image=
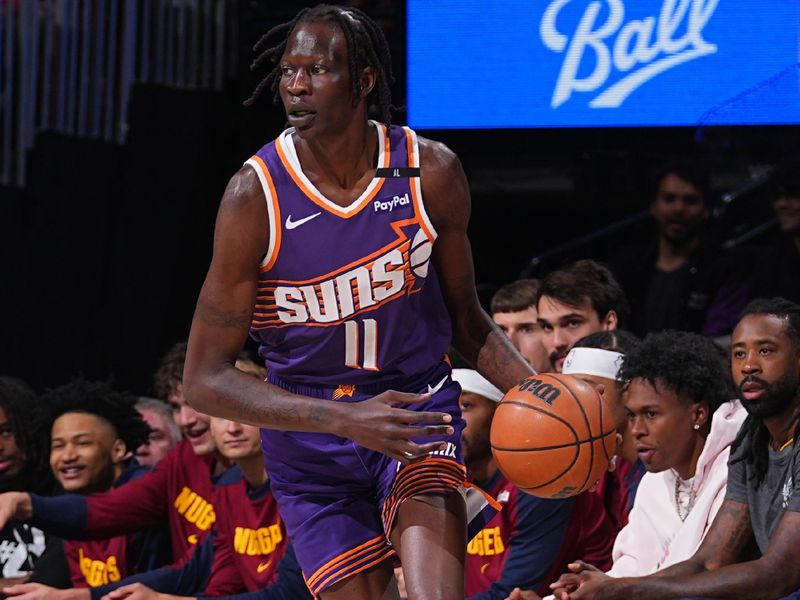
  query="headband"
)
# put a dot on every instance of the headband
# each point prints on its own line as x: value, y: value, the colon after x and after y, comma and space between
x: 472, y: 381
x: 592, y: 361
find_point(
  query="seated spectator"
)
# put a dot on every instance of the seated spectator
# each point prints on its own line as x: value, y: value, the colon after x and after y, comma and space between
x: 761, y: 508
x: 574, y: 301
x: 164, y: 432
x: 513, y: 308
x: 178, y: 493
x: 777, y: 272
x: 530, y: 541
x: 679, y: 279
x: 28, y: 552
x: 93, y: 432
x: 596, y: 359
x: 683, y: 425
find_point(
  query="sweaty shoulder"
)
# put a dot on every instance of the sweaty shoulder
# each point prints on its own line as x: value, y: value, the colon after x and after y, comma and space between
x: 444, y: 185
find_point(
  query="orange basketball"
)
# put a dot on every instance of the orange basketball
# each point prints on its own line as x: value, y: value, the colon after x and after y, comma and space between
x: 553, y: 435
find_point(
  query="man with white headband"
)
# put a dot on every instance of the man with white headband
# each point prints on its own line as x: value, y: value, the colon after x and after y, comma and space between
x: 596, y: 359
x: 530, y: 541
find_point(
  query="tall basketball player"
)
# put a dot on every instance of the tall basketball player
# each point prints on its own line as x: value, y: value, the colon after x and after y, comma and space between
x: 341, y: 248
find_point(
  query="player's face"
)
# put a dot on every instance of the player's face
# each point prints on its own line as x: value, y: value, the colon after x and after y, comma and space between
x: 477, y: 411
x: 315, y: 80
x: 193, y: 424
x: 234, y: 440
x: 678, y: 209
x: 525, y: 334
x: 85, y: 454
x: 12, y: 457
x: 160, y: 441
x: 612, y: 394
x: 787, y: 209
x: 765, y: 365
x: 662, y: 427
x: 563, y: 325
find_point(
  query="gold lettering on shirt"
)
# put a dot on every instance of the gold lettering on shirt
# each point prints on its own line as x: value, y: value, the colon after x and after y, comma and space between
x: 488, y: 542
x: 195, y: 509
x: 98, y: 572
x: 257, y: 542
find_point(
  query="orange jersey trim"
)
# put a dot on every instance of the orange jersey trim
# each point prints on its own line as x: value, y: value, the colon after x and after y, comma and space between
x: 340, y: 558
x: 276, y: 211
x: 330, y: 206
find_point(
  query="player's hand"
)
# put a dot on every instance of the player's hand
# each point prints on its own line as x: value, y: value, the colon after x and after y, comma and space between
x: 15, y: 505
x: 582, y: 582
x: 37, y: 591
x: 135, y: 591
x: 379, y: 425
x: 518, y: 594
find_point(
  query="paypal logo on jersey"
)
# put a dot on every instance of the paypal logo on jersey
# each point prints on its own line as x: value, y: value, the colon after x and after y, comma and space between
x: 602, y: 63
x: 389, y: 205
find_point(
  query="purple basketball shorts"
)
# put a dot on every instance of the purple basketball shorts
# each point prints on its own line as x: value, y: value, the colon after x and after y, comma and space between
x: 338, y: 499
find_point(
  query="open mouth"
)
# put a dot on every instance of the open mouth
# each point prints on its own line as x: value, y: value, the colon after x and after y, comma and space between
x: 68, y: 473
x: 752, y: 390
x: 645, y: 453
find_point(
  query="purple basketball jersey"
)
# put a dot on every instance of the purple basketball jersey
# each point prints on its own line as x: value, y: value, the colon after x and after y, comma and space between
x: 348, y: 295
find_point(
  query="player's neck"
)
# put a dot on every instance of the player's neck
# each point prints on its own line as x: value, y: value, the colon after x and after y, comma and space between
x: 687, y: 469
x: 781, y: 426
x: 672, y: 256
x: 253, y: 470
x: 340, y: 160
x: 220, y: 464
x: 483, y: 469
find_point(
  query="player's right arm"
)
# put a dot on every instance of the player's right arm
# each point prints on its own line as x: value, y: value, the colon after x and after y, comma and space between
x: 221, y: 324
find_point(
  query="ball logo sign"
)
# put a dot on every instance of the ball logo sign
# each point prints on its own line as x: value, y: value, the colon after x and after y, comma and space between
x: 543, y: 391
x: 642, y: 48
x: 602, y: 63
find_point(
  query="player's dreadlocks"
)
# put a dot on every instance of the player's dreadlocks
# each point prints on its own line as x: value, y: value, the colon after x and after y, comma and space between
x: 366, y: 47
x: 100, y: 399
x: 28, y: 423
x: 754, y: 436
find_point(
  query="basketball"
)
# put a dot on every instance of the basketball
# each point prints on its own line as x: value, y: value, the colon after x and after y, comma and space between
x: 553, y: 436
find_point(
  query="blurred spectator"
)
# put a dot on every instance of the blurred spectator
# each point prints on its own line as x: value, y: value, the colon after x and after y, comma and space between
x: 248, y: 550
x: 596, y: 359
x: 94, y: 429
x: 531, y: 540
x: 574, y: 301
x: 513, y: 308
x: 680, y: 279
x: 164, y: 432
x: 777, y: 272
x: 28, y: 552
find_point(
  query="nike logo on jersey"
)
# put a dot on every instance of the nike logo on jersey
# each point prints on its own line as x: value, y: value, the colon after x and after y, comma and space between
x: 437, y: 387
x: 263, y: 566
x: 293, y: 224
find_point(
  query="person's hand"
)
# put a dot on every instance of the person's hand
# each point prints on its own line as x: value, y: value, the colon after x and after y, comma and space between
x: 15, y: 505
x: 135, y: 591
x: 518, y: 594
x: 581, y: 582
x: 377, y: 424
x: 37, y: 591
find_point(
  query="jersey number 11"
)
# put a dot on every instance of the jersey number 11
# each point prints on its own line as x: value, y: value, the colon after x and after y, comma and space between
x: 354, y: 348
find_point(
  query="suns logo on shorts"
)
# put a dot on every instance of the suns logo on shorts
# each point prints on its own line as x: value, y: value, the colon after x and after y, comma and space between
x: 342, y: 391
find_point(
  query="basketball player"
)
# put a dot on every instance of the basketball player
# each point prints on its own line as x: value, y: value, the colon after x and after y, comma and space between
x: 762, y: 502
x: 574, y: 301
x: 342, y: 247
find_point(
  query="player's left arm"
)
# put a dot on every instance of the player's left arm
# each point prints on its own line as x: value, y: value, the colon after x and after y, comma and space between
x: 445, y: 192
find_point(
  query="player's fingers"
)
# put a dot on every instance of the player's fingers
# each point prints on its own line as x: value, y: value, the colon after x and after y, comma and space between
x: 393, y: 397
x: 566, y: 580
x: 578, y: 566
x: 407, y: 432
x: 410, y: 416
x: 412, y: 452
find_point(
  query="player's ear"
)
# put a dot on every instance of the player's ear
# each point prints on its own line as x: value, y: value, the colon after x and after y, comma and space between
x: 119, y: 451
x: 367, y: 82
x: 610, y: 321
x: 700, y: 414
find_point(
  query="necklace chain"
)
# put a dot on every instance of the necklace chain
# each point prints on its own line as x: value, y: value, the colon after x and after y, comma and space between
x: 683, y: 511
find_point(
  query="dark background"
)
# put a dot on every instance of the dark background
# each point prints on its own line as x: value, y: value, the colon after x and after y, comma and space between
x: 103, y: 251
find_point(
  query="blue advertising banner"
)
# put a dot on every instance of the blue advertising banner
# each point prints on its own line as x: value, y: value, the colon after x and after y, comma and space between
x: 602, y: 63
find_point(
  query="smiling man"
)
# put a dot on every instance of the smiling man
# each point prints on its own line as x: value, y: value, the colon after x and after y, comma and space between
x: 677, y: 279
